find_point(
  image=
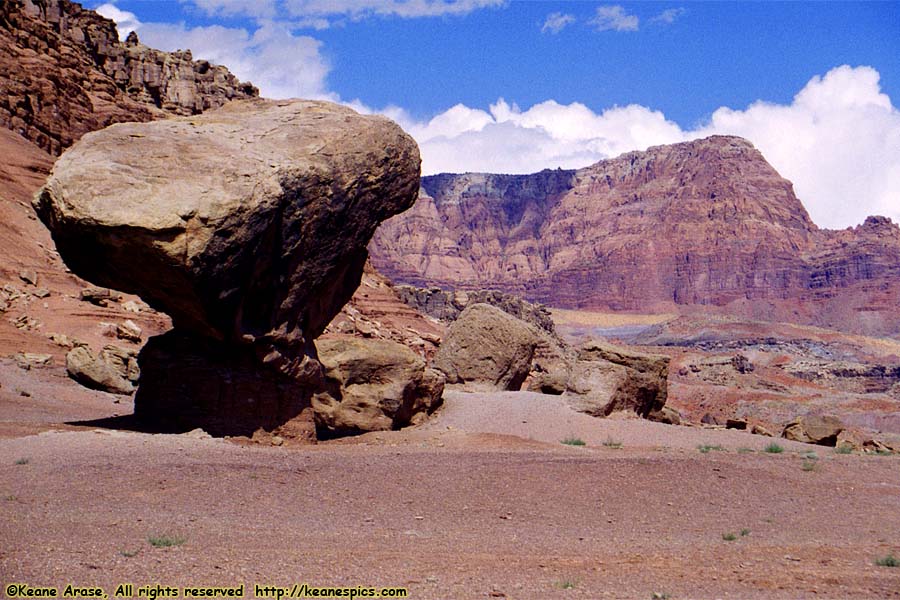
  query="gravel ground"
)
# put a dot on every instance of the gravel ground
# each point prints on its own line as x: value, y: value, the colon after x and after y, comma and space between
x: 455, y: 513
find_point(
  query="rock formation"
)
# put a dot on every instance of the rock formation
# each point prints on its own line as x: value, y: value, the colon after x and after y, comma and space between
x: 64, y: 72
x: 447, y: 305
x: 814, y: 429
x: 113, y: 370
x: 373, y: 385
x: 707, y: 223
x: 487, y: 347
x: 248, y: 226
x: 606, y: 379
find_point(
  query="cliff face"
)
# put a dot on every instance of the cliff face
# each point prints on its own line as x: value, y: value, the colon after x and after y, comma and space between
x: 64, y: 72
x: 706, y: 223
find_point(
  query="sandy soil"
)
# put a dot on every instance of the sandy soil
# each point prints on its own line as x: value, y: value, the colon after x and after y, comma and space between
x: 483, y: 501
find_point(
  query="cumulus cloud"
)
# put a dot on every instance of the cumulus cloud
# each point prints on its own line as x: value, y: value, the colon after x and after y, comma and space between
x: 614, y: 18
x: 556, y: 22
x: 669, y: 15
x: 280, y: 63
x: 838, y: 141
x: 126, y: 22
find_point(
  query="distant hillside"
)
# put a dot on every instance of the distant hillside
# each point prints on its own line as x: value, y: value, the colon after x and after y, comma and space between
x: 707, y: 223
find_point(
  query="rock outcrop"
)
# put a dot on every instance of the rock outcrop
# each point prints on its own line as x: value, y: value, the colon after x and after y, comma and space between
x: 707, y: 223
x: 64, y: 72
x: 447, y: 305
x: 606, y: 379
x: 486, y: 347
x: 814, y: 429
x: 247, y: 225
x: 373, y: 385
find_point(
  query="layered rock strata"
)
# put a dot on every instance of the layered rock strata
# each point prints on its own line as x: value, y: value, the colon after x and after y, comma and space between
x: 64, y: 72
x: 707, y: 223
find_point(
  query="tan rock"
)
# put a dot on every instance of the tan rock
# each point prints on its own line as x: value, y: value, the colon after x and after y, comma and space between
x: 667, y: 415
x: 487, y: 347
x: 606, y: 379
x: 129, y: 330
x: 373, y: 385
x: 814, y: 429
x: 113, y: 370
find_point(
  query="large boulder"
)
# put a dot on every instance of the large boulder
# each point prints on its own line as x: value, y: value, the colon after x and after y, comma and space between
x: 248, y: 225
x: 814, y: 429
x: 487, y: 348
x: 374, y: 385
x: 606, y: 379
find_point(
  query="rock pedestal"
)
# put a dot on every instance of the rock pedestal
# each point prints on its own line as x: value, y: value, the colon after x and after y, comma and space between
x: 248, y: 225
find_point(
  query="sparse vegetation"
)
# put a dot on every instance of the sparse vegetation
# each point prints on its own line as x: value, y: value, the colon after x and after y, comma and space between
x: 844, y: 449
x: 573, y: 441
x: 23, y: 461
x: 11, y: 498
x: 773, y: 448
x: 888, y: 561
x: 611, y: 443
x: 729, y: 537
x: 810, y: 465
x: 165, y: 541
x: 745, y: 532
x: 566, y: 585
x: 745, y: 450
x: 130, y: 553
x: 659, y: 596
x: 705, y: 448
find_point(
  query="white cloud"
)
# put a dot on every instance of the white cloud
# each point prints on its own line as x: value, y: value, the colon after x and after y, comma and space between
x: 614, y: 18
x: 669, y: 15
x: 838, y: 141
x: 126, y: 22
x: 556, y: 22
x: 279, y: 63
x: 358, y: 9
x: 230, y: 8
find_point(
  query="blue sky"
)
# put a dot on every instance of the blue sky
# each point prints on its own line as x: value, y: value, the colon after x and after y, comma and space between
x: 518, y: 86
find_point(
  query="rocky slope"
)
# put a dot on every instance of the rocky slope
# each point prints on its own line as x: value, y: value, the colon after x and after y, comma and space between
x: 705, y: 223
x: 64, y: 72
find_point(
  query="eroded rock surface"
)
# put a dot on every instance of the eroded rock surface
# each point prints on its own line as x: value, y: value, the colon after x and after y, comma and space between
x: 373, y: 385
x: 247, y: 225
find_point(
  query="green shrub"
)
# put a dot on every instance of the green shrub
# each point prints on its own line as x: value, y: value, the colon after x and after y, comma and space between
x: 773, y: 448
x: 888, y: 561
x: 165, y: 541
x: 573, y: 441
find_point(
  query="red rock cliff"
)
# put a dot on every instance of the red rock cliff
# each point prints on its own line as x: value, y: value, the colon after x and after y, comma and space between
x: 707, y: 222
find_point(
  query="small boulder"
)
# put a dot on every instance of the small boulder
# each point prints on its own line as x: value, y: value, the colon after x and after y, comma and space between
x: 130, y: 331
x: 373, y: 385
x: 667, y: 415
x: 736, y: 424
x: 113, y: 370
x: 487, y: 347
x: 757, y: 429
x: 97, y: 295
x: 814, y: 429
x: 28, y: 276
x: 29, y: 360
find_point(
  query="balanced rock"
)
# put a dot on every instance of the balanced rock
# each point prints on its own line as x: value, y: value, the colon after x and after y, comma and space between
x: 248, y: 225
x: 487, y: 347
x: 607, y: 379
x: 814, y: 429
x: 374, y: 385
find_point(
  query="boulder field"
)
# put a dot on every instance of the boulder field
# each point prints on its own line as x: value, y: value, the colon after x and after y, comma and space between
x: 247, y: 225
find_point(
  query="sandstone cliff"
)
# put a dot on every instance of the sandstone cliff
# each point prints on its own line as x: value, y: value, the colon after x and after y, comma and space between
x: 64, y: 72
x: 705, y: 223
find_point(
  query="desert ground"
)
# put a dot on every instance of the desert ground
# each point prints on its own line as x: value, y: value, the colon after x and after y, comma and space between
x: 481, y: 501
